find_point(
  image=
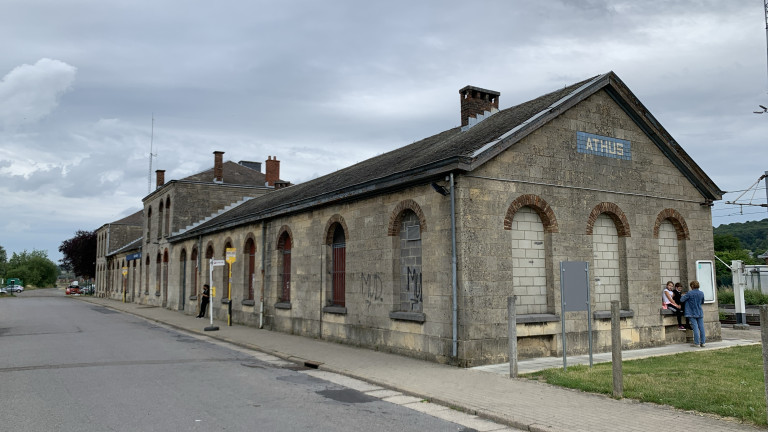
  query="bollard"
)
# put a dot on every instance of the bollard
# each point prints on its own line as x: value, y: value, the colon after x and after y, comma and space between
x: 512, y: 334
x: 764, y: 340
x: 618, y: 379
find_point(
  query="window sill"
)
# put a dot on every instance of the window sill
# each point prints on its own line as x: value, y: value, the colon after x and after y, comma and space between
x: 248, y: 302
x: 193, y: 297
x: 225, y: 301
x: 339, y: 310
x: 536, y: 318
x: 408, y: 316
x: 157, y: 294
x: 283, y: 305
x: 606, y: 315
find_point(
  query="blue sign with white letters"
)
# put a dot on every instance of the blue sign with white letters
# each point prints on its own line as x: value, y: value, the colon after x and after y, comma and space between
x: 603, y: 146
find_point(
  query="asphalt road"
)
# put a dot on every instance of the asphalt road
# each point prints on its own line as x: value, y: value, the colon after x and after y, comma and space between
x: 67, y: 365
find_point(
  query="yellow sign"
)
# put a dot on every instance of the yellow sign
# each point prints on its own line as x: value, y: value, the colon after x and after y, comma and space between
x: 230, y: 258
x: 213, y: 291
x: 125, y: 271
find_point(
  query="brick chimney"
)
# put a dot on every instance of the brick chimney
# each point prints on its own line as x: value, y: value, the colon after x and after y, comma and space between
x: 160, y: 178
x: 218, y: 167
x: 475, y: 100
x: 273, y: 170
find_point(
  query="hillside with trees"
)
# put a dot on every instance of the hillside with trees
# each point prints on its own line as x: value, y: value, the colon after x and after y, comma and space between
x: 753, y: 235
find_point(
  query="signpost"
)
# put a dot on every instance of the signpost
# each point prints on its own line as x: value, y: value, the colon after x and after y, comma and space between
x: 231, y: 257
x: 212, y: 263
x: 125, y: 282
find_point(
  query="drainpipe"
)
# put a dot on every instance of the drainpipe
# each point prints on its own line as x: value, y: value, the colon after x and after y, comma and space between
x: 263, y: 262
x: 455, y: 305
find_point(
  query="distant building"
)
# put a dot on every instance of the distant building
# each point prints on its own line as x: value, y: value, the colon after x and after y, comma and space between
x: 365, y: 255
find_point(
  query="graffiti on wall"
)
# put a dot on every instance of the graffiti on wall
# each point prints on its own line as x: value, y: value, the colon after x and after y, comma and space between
x: 413, y: 287
x: 372, y: 288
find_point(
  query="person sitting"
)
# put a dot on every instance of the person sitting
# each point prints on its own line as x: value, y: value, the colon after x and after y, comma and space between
x: 668, y: 302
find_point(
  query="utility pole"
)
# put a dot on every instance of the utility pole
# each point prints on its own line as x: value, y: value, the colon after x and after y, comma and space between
x: 151, y: 155
x: 765, y: 6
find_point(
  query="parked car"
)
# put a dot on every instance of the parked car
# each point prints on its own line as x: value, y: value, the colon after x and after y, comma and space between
x: 3, y: 290
x: 73, y: 290
x: 87, y: 290
x: 14, y: 288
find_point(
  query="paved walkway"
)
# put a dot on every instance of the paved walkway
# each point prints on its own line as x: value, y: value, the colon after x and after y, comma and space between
x: 520, y: 403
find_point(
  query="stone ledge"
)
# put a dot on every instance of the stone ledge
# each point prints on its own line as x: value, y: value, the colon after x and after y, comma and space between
x: 283, y: 305
x: 193, y: 297
x: 606, y: 315
x: 408, y: 316
x: 248, y: 302
x: 225, y: 301
x: 339, y: 310
x: 536, y: 318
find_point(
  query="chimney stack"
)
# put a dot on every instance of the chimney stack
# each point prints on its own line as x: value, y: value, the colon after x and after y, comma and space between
x: 160, y: 179
x: 273, y: 170
x: 475, y: 100
x: 218, y: 167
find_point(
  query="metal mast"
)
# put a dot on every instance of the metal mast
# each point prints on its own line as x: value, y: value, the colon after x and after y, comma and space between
x: 151, y: 155
x: 765, y: 6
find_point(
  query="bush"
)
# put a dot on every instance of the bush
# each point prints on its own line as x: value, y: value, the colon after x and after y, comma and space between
x: 751, y: 297
x: 725, y: 296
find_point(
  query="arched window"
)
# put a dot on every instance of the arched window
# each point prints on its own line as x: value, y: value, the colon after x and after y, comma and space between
x: 528, y: 259
x: 146, y: 276
x: 165, y: 278
x: 149, y: 224
x: 250, y: 268
x: 160, y: 221
x: 183, y: 278
x: 167, y: 216
x: 284, y: 257
x: 411, y: 295
x: 195, y: 270
x: 225, y: 283
x: 338, y: 266
x: 158, y: 273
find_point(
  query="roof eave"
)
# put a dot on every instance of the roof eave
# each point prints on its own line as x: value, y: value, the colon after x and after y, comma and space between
x: 373, y: 187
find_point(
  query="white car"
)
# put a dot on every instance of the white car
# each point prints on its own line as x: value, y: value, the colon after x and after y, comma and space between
x: 14, y: 288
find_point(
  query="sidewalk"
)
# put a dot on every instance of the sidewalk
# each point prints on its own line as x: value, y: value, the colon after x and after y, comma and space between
x: 520, y: 403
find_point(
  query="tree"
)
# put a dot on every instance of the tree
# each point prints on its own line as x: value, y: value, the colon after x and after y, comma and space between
x: 726, y: 242
x: 3, y: 261
x: 33, y: 268
x: 723, y: 273
x: 80, y: 254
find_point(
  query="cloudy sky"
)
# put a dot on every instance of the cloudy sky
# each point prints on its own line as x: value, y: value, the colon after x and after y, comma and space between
x: 322, y: 85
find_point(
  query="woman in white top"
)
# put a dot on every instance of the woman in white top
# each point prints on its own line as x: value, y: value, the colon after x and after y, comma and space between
x: 667, y: 299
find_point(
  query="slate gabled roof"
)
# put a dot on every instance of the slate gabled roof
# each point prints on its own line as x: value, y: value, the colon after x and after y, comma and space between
x: 454, y: 150
x: 232, y: 173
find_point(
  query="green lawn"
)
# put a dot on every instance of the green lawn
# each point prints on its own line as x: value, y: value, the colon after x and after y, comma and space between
x: 727, y: 382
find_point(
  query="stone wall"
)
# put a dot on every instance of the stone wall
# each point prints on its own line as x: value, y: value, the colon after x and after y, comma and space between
x: 603, y: 210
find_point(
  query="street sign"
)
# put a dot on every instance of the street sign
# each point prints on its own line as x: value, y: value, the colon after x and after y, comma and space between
x: 217, y: 263
x: 125, y: 271
x: 231, y: 257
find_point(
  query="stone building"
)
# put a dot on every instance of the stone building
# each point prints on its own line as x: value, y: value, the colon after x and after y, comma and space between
x: 416, y: 251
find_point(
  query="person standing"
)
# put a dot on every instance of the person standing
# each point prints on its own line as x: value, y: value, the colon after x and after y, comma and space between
x: 693, y: 300
x: 677, y: 294
x: 204, y: 301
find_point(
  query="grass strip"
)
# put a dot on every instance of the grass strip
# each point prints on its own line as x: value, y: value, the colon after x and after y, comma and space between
x: 727, y: 382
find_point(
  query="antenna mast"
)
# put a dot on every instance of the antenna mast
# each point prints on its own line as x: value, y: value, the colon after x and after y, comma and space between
x: 765, y: 4
x: 151, y: 155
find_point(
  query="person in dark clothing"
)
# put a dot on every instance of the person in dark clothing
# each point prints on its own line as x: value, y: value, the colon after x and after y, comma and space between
x: 204, y: 301
x: 677, y: 293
